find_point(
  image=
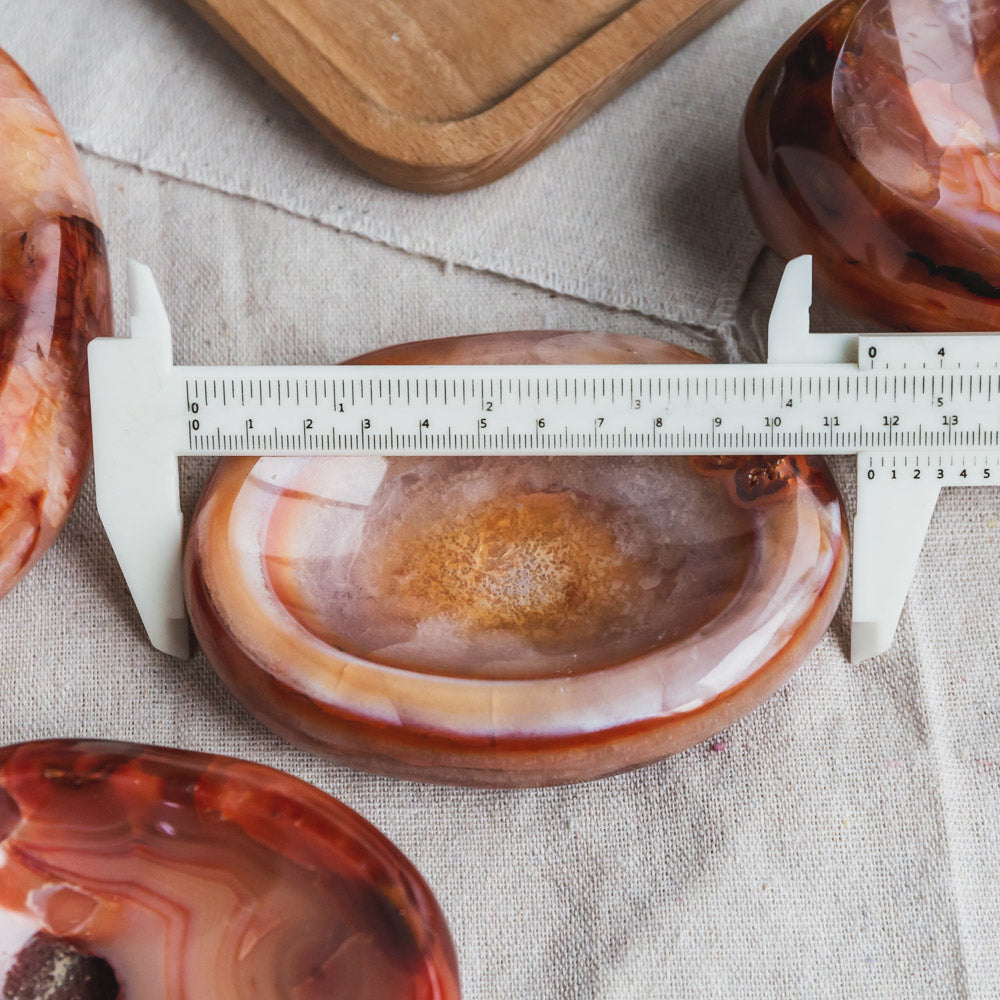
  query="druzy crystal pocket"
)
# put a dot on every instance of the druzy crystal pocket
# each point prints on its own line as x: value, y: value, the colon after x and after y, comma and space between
x: 511, y: 621
x: 151, y: 874
x: 871, y: 141
x: 54, y: 299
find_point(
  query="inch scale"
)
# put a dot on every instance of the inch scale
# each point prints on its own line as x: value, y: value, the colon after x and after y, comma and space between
x: 921, y: 412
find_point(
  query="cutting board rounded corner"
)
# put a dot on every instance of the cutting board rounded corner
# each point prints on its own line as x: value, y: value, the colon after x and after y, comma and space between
x: 432, y: 101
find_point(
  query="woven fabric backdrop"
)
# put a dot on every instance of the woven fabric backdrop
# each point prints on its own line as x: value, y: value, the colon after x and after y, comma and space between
x: 841, y: 842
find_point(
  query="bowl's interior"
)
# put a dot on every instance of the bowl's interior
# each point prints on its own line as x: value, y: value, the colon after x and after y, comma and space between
x: 155, y: 873
x: 499, y: 567
x: 916, y: 93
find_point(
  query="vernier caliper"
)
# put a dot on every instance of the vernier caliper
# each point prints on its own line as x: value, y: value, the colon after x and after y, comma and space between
x: 920, y: 412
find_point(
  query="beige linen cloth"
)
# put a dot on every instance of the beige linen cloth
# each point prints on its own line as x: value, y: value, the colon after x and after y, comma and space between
x: 842, y: 841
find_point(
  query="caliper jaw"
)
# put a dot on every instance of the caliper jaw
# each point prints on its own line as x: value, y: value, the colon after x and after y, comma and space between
x: 891, y: 518
x: 135, y: 462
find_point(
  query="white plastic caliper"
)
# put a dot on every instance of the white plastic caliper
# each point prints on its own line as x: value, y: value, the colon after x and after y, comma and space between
x: 920, y: 412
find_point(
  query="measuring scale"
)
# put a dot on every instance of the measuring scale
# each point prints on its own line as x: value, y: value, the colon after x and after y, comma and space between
x: 920, y: 412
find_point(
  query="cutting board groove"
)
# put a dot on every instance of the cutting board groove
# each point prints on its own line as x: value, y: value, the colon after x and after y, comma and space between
x: 442, y: 95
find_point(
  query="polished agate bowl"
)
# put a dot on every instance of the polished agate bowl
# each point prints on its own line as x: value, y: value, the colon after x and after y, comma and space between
x: 135, y: 872
x: 54, y: 299
x: 511, y: 621
x: 871, y: 141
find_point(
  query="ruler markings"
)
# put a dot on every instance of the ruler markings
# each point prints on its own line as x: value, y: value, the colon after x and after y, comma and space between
x: 906, y: 410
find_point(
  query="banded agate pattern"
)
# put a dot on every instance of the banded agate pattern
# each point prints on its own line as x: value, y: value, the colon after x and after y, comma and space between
x: 871, y: 141
x: 504, y: 621
x: 137, y: 873
x: 54, y: 299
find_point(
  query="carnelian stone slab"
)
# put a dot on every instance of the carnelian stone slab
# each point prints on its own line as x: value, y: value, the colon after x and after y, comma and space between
x: 54, y: 299
x: 169, y: 874
x: 871, y: 141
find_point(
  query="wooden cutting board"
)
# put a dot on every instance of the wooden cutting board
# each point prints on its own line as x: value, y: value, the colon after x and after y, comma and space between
x: 442, y: 95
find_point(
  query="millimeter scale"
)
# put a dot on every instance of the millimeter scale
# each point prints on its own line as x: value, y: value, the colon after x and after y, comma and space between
x: 920, y: 412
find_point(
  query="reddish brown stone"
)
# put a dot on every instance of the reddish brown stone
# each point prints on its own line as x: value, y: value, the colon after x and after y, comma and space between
x: 174, y: 875
x: 54, y: 299
x: 871, y: 142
